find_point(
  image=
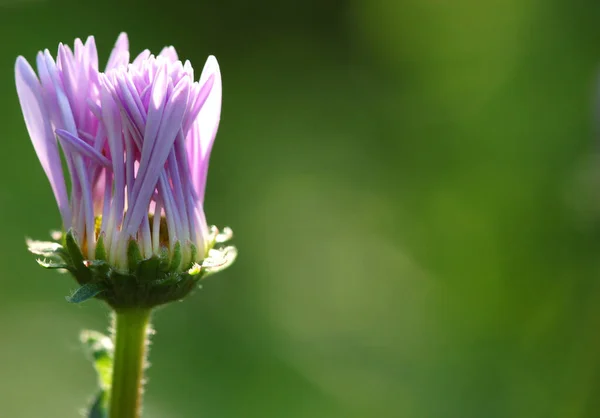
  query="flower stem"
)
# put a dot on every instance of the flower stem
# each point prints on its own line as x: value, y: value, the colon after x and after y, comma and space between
x: 131, y: 329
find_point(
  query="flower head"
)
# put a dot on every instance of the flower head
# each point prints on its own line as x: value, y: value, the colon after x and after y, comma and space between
x: 136, y: 141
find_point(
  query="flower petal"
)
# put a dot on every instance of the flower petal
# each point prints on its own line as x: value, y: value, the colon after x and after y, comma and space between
x: 170, y: 53
x: 204, y: 129
x: 37, y: 120
x: 120, y: 53
x: 82, y: 147
x: 165, y: 116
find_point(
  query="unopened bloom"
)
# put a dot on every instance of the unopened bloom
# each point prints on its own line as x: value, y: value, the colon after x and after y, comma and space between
x: 136, y: 141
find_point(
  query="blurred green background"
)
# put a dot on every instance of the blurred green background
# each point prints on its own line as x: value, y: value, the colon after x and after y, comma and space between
x: 415, y: 191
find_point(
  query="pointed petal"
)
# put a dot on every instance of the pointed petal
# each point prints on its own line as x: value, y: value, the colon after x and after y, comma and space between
x: 64, y: 113
x: 120, y: 53
x: 207, y: 124
x: 112, y: 125
x: 142, y: 56
x: 82, y: 147
x: 164, y: 121
x: 91, y: 53
x: 170, y: 53
x: 37, y: 120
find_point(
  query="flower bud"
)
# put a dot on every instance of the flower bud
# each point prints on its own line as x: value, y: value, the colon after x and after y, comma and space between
x: 136, y: 141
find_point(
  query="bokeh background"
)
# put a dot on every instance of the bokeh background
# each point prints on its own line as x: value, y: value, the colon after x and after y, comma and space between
x: 415, y: 191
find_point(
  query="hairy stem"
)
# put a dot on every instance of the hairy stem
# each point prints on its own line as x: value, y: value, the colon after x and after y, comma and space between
x: 131, y: 331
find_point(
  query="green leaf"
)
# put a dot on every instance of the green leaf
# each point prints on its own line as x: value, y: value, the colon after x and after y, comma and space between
x: 85, y: 292
x: 99, y: 408
x: 101, y: 348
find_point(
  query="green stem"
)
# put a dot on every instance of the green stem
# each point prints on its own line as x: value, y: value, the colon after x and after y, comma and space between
x: 131, y: 329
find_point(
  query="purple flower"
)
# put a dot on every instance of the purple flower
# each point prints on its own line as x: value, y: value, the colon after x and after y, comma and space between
x: 136, y: 141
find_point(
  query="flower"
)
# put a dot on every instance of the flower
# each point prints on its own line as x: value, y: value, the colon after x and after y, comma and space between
x: 136, y: 141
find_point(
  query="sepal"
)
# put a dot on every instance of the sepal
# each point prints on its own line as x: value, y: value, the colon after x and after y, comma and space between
x: 134, y: 255
x: 218, y: 260
x: 44, y: 248
x: 76, y: 260
x: 176, y: 258
x: 224, y: 236
x: 219, y: 237
x: 51, y: 264
x: 86, y: 292
x: 73, y: 249
x: 48, y: 249
x: 97, y: 267
x: 148, y: 268
x: 53, y: 255
x: 165, y: 277
x: 100, y: 253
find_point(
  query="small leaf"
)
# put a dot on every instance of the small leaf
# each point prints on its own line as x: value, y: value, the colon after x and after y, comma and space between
x: 134, y: 256
x: 218, y: 260
x: 101, y: 349
x: 99, y: 408
x: 85, y: 292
